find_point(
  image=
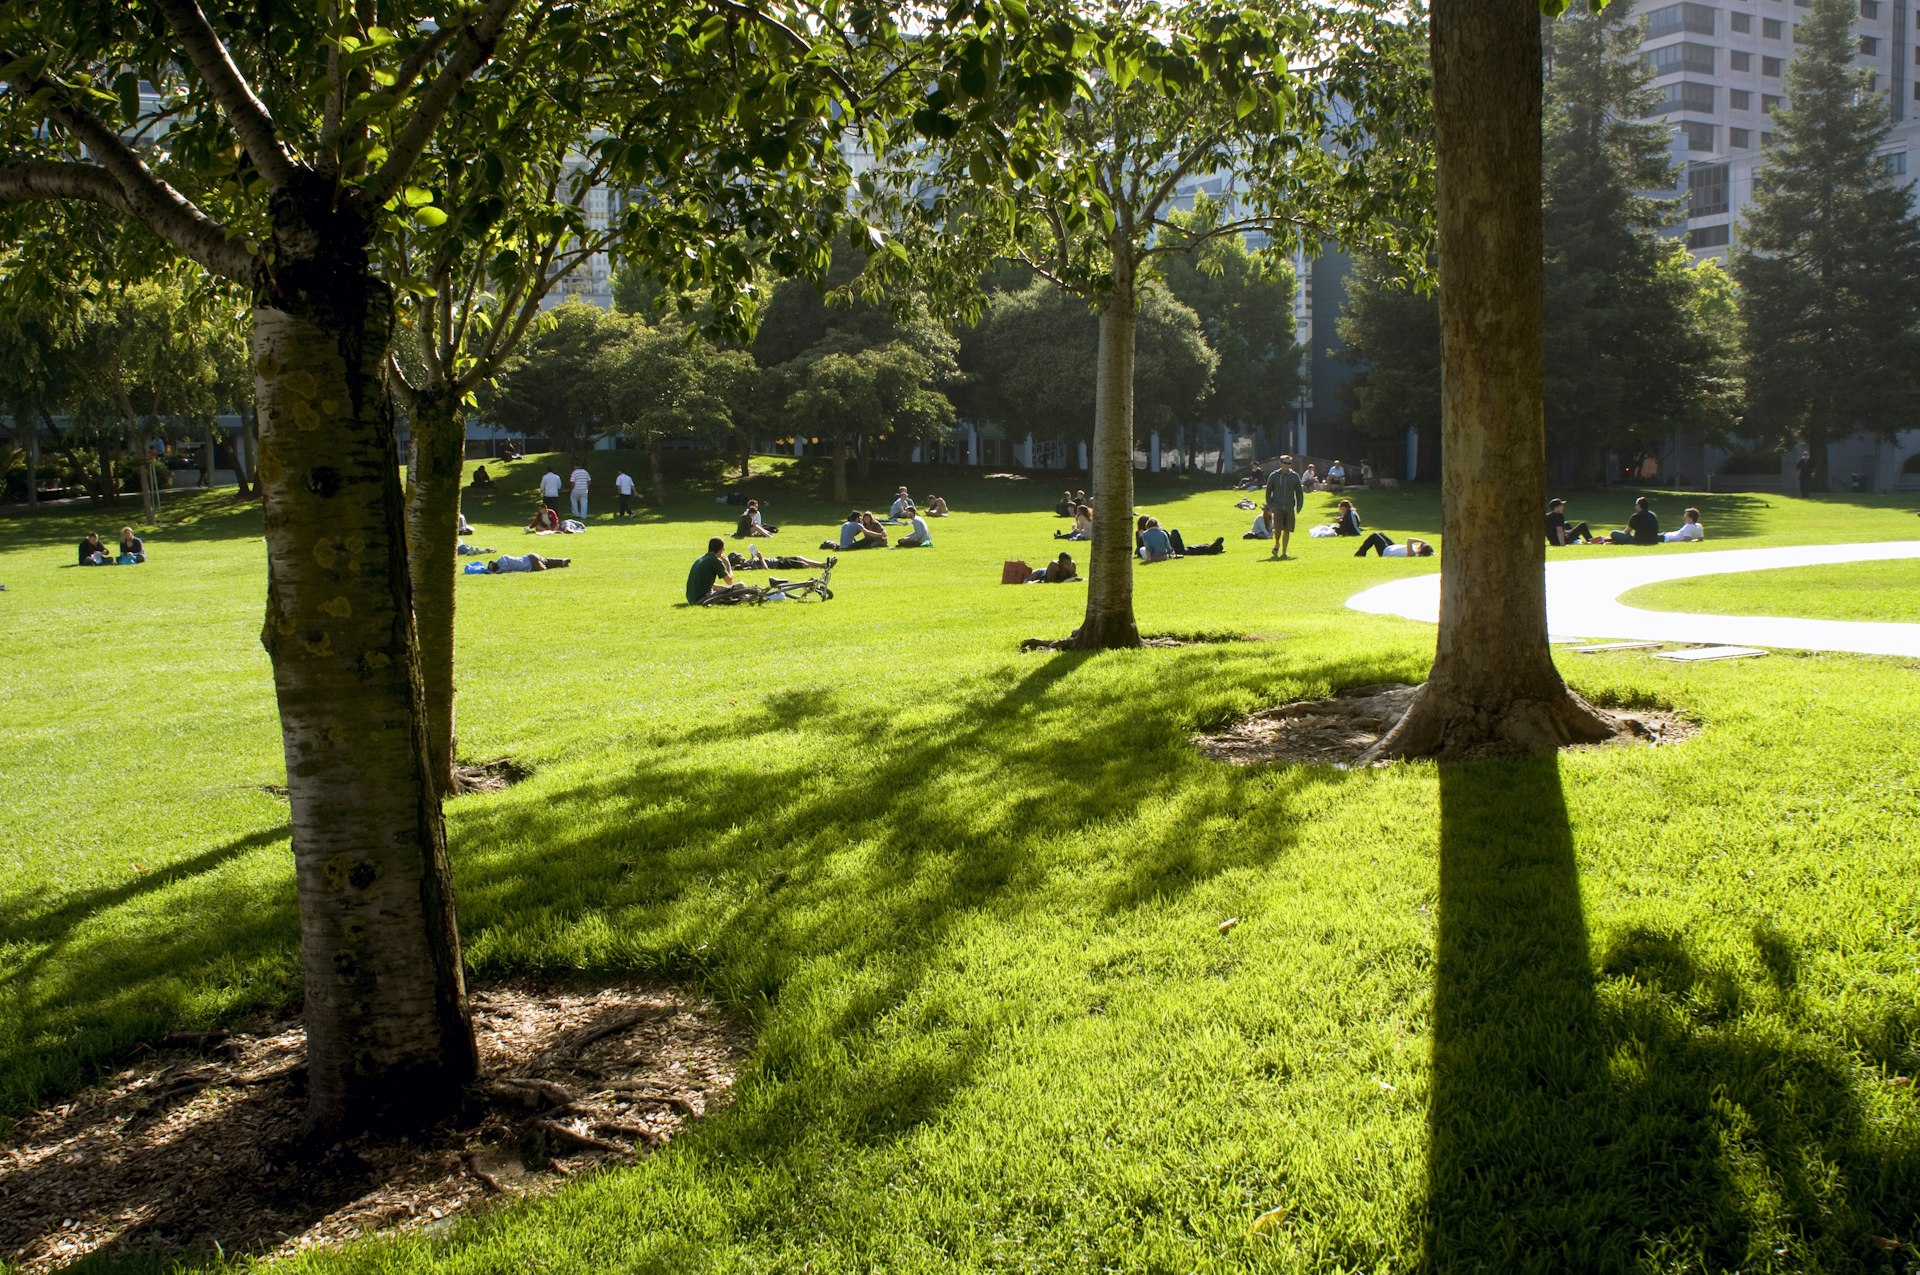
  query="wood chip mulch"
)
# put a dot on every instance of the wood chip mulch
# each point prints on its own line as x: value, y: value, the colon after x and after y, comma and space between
x: 196, y: 1148
x: 1151, y: 639
x: 1338, y: 731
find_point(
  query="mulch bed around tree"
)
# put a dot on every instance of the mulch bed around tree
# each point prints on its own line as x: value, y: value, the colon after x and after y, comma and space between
x: 196, y: 1148
x: 1151, y: 639
x: 1338, y: 731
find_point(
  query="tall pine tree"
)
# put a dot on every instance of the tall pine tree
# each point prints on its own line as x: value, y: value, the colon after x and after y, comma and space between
x: 1828, y: 259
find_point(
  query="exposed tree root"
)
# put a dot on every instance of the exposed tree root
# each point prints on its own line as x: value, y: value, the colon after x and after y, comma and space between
x: 1446, y: 727
x: 1073, y: 643
x: 497, y: 775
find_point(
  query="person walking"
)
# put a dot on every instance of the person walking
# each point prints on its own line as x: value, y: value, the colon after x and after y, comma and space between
x: 623, y: 484
x: 1285, y: 499
x: 579, y: 479
x: 550, y: 490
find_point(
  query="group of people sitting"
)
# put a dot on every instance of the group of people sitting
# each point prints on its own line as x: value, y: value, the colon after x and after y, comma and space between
x: 1643, y: 527
x: 751, y: 523
x: 903, y: 507
x: 95, y: 553
x: 862, y: 530
x: 1155, y: 543
x: 548, y: 522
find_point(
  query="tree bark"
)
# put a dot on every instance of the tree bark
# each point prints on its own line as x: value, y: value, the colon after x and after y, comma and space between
x: 1493, y: 686
x: 867, y: 444
x: 746, y: 458
x: 246, y: 455
x: 435, y: 447
x: 657, y: 463
x: 840, y: 495
x: 1109, y: 622
x: 31, y: 428
x: 389, y: 1038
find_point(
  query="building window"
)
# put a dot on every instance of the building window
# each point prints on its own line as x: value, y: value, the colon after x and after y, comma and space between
x: 1870, y: 9
x: 1740, y: 23
x: 1697, y: 18
x: 1739, y: 100
x: 1770, y: 67
x: 1739, y: 138
x: 1738, y: 61
x: 1687, y: 95
x: 1675, y: 58
x: 1699, y: 136
x: 1769, y: 103
x: 1709, y: 236
x: 1773, y: 28
x: 1869, y: 45
x: 1706, y: 189
x: 1896, y: 163
x: 1873, y: 81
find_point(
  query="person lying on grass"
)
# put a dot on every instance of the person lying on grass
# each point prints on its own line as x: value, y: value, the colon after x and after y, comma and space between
x: 1384, y: 546
x: 509, y: 563
x: 919, y: 537
x: 757, y: 561
x: 1690, y: 528
x: 1059, y: 571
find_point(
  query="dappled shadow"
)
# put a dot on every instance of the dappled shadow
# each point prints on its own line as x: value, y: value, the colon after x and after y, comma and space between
x: 199, y: 515
x: 1633, y: 1121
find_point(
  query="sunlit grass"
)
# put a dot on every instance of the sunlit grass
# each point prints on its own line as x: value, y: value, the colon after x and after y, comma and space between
x: 969, y: 901
x: 1846, y: 591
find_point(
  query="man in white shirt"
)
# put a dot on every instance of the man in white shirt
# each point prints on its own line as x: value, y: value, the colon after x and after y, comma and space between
x: 550, y: 490
x: 624, y: 485
x: 920, y: 536
x: 1690, y: 529
x: 579, y: 480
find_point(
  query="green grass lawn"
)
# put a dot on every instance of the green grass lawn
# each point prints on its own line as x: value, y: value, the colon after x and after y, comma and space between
x: 1849, y: 591
x: 1616, y: 1010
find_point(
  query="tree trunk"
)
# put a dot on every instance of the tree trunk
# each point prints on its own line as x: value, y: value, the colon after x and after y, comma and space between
x: 1109, y: 621
x: 435, y: 447
x: 207, y: 446
x: 108, y: 492
x: 31, y: 428
x: 1493, y: 684
x: 866, y: 457
x: 746, y: 457
x: 840, y: 469
x: 389, y: 1039
x: 659, y: 466
x: 1817, y: 448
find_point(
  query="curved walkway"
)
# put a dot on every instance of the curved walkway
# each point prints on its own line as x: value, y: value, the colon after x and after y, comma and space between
x: 1583, y: 586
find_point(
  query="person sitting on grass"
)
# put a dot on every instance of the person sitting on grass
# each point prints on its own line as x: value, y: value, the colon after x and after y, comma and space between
x: 872, y: 532
x: 897, y: 511
x: 919, y: 537
x: 1155, y: 544
x: 1559, y: 530
x: 1643, y: 527
x: 751, y: 523
x: 546, y: 521
x: 709, y: 569
x: 1690, y: 528
x: 1082, y: 525
x: 1384, y: 546
x: 481, y: 478
x: 1347, y: 521
x: 132, y: 548
x: 1337, y: 474
x: 509, y: 563
x: 937, y: 507
x: 1259, y: 531
x: 93, y: 551
x: 1066, y: 506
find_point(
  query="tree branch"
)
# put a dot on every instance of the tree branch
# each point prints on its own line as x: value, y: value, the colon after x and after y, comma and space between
x: 151, y: 201
x: 251, y: 121
x: 475, y: 46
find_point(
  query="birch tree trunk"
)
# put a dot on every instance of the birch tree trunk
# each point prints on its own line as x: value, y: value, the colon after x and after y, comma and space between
x: 1493, y: 685
x: 389, y: 1038
x: 1109, y: 621
x: 435, y: 447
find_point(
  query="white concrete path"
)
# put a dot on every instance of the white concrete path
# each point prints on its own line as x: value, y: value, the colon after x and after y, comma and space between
x: 1584, y: 583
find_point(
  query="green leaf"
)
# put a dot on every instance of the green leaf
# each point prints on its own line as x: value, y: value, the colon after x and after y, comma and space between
x: 127, y: 86
x: 430, y: 216
x: 416, y: 197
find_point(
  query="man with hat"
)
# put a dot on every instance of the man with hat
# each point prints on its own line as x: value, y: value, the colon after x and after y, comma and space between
x: 1558, y: 532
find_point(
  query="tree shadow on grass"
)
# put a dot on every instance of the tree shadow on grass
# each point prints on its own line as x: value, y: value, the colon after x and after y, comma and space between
x: 1647, y: 1120
x: 119, y: 980
x: 832, y: 876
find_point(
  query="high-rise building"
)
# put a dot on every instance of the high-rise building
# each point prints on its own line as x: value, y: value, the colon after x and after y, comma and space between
x: 1720, y: 70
